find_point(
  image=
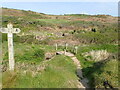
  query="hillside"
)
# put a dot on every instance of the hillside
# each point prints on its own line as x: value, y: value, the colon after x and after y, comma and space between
x: 38, y: 65
x: 67, y: 27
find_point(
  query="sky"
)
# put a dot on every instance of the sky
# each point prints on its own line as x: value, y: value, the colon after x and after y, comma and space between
x: 60, y: 0
x: 60, y: 8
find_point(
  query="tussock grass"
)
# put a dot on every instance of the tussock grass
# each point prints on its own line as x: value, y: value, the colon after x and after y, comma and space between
x: 60, y: 72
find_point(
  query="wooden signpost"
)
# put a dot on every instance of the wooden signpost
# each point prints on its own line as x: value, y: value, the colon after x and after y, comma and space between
x: 10, y: 30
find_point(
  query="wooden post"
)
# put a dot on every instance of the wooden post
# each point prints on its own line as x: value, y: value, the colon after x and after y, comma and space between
x: 56, y: 46
x: 65, y: 51
x: 66, y: 45
x: 76, y: 49
x: 10, y: 30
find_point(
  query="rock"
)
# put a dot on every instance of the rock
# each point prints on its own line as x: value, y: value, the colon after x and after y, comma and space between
x: 49, y: 55
x: 59, y: 53
x: 65, y: 34
x: 97, y: 55
x: 58, y: 34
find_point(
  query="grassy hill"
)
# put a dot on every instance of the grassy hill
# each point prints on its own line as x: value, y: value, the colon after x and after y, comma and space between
x: 83, y: 29
x: 39, y: 34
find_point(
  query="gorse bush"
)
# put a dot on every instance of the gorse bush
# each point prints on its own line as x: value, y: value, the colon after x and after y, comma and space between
x: 97, y: 72
x: 32, y: 55
x: 39, y: 54
x: 26, y: 39
x: 97, y: 38
x: 4, y: 37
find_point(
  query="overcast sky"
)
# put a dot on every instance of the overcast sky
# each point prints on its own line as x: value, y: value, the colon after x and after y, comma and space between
x: 60, y: 8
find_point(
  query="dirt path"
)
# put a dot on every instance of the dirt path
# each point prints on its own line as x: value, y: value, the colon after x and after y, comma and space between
x: 83, y: 81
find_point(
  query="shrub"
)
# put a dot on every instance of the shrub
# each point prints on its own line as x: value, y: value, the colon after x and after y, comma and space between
x: 32, y: 55
x: 39, y: 54
x: 97, y: 38
x: 4, y: 37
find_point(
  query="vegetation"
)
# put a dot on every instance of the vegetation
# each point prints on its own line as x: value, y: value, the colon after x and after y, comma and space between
x: 98, y: 72
x: 51, y: 77
x: 38, y: 36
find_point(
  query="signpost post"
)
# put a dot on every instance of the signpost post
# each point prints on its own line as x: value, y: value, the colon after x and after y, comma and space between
x: 10, y: 30
x: 76, y: 49
x: 66, y: 45
x: 56, y: 46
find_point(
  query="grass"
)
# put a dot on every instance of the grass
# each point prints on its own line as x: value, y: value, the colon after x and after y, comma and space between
x: 25, y: 52
x: 79, y: 15
x: 97, y: 38
x: 59, y: 73
x: 54, y: 21
x: 98, y: 72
